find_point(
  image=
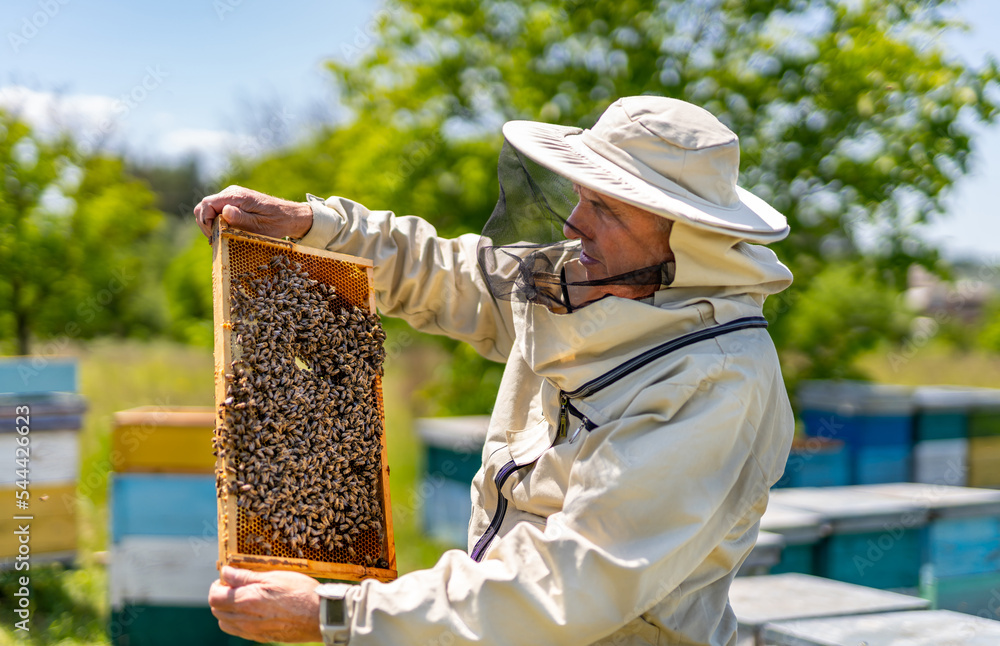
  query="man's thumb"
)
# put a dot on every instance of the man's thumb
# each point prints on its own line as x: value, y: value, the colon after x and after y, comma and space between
x: 234, y: 577
x: 234, y: 216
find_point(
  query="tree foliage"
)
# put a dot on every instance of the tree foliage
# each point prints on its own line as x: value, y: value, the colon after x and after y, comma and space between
x: 75, y: 232
x: 849, y: 114
x: 853, y: 120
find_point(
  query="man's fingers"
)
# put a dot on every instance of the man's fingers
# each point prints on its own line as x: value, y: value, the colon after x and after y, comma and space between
x: 211, y: 206
x: 204, y: 214
x: 235, y: 577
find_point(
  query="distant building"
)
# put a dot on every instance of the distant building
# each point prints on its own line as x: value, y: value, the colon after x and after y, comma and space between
x: 962, y: 299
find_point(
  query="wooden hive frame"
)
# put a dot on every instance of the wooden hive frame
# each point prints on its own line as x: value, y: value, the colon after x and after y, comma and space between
x: 232, y: 252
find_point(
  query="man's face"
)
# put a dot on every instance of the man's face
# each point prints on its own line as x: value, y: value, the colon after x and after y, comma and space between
x: 617, y: 238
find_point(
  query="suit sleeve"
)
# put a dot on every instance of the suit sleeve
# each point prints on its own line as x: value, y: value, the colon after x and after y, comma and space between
x: 651, y: 498
x: 433, y: 283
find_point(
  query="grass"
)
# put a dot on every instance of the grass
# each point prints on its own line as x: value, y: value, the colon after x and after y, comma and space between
x: 71, y: 604
x: 932, y: 364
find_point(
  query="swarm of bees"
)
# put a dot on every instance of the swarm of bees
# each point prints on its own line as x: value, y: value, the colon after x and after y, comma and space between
x: 301, y: 429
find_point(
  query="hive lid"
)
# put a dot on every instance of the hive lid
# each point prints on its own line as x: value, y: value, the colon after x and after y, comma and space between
x: 758, y: 600
x: 851, y: 509
x: 43, y: 404
x: 154, y: 416
x: 945, y: 398
x: 849, y: 398
x: 463, y: 433
x: 942, y: 501
x: 798, y: 526
x: 919, y: 628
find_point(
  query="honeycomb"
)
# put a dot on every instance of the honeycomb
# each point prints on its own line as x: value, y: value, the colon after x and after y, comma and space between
x: 244, y: 256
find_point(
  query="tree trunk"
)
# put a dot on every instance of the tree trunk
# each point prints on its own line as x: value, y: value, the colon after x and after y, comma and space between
x: 22, y: 324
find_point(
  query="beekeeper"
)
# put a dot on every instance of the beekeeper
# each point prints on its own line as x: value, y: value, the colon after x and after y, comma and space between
x: 641, y: 418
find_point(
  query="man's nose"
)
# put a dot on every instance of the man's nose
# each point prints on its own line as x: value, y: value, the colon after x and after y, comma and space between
x: 571, y: 227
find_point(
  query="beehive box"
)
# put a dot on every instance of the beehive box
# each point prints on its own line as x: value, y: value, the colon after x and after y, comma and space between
x: 802, y: 531
x: 155, y: 438
x: 302, y: 476
x: 816, y: 462
x: 913, y: 628
x: 873, y: 541
x: 761, y: 600
x: 453, y: 448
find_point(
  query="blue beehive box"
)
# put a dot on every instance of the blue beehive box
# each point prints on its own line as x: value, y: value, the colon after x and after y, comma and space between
x: 157, y: 504
x: 453, y: 455
x: 860, y: 414
x: 878, y: 464
x: 875, y: 422
x: 815, y: 462
x: 874, y: 541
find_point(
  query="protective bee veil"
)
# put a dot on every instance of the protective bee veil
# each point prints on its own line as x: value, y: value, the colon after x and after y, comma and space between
x: 527, y: 251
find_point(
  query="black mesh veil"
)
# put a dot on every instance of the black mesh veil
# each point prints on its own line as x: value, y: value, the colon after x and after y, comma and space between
x: 524, y: 253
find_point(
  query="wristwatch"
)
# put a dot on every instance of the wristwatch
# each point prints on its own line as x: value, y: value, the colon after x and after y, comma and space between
x: 334, y: 616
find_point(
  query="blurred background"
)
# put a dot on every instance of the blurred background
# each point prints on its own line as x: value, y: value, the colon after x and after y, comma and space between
x: 869, y: 123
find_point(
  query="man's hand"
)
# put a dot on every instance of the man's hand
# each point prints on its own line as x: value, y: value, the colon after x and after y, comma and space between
x: 255, y: 212
x: 266, y: 606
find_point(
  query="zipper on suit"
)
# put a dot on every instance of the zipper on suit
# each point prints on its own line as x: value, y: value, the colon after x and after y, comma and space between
x: 633, y: 364
x: 501, y: 478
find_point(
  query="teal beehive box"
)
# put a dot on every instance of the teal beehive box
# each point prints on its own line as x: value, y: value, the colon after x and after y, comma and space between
x: 453, y: 448
x: 802, y: 531
x: 942, y: 412
x: 874, y: 541
x: 962, y: 537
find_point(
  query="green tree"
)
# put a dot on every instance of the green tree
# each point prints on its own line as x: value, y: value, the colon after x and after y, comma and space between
x: 75, y: 236
x: 853, y: 120
x: 844, y: 311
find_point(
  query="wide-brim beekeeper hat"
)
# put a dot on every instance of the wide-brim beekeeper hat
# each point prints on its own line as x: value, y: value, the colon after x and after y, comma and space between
x: 663, y: 155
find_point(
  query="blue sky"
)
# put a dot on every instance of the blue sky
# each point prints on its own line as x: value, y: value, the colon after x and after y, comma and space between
x: 163, y: 79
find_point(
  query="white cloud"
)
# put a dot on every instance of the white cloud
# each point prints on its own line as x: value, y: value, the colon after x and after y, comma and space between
x: 99, y: 121
x: 213, y: 148
x: 50, y: 112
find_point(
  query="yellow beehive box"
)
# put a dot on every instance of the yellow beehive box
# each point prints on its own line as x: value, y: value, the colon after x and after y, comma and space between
x: 158, y: 439
x: 302, y: 475
x: 49, y: 523
x: 984, y: 461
